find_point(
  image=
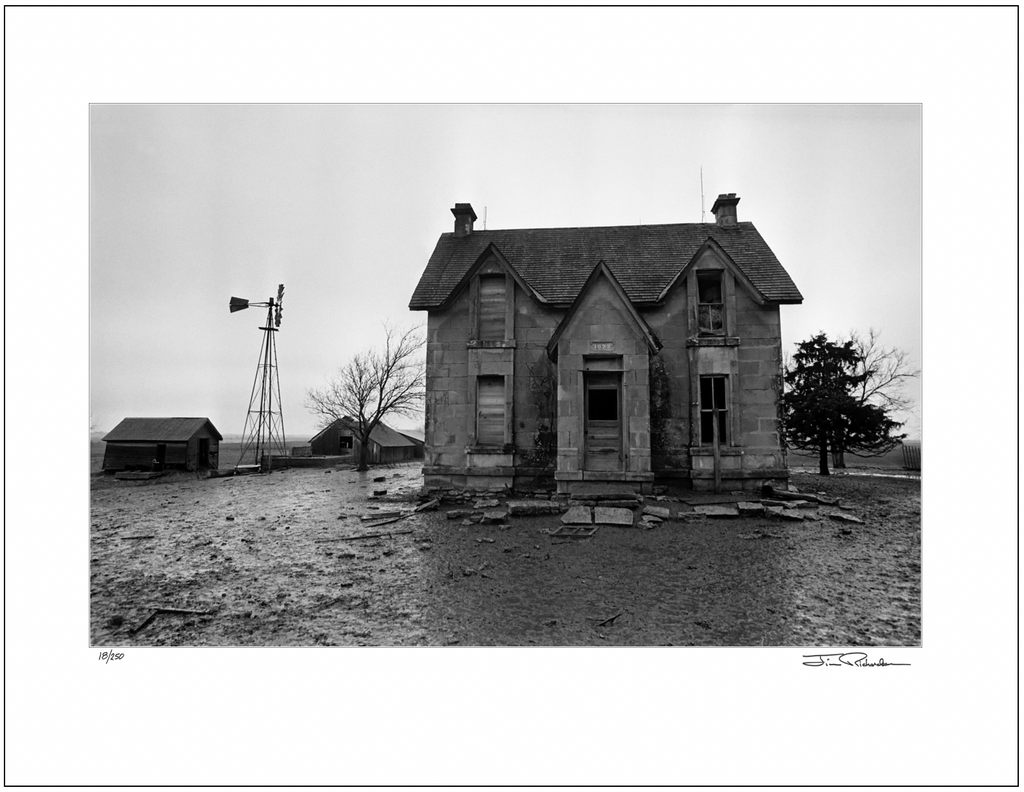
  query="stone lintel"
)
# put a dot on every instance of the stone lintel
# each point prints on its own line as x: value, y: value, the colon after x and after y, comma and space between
x: 477, y: 344
x: 702, y: 451
x: 712, y: 341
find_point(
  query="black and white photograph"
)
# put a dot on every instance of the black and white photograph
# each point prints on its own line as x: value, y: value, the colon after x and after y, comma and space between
x: 505, y: 375
x: 514, y: 396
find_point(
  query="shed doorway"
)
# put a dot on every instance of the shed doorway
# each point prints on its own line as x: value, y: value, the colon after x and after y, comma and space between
x: 204, y: 452
x: 602, y: 428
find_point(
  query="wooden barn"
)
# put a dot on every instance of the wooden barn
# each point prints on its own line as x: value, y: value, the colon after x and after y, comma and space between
x: 160, y: 443
x: 386, y: 445
x: 417, y: 441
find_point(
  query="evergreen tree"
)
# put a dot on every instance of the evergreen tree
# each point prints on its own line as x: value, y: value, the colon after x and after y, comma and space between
x: 822, y: 410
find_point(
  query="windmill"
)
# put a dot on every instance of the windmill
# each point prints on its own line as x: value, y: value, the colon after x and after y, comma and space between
x: 264, y: 423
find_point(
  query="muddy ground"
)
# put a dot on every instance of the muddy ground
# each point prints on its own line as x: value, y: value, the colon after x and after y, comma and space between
x: 271, y: 561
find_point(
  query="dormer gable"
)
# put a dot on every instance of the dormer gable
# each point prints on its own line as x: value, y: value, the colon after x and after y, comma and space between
x: 712, y: 255
x: 602, y: 276
x: 491, y: 261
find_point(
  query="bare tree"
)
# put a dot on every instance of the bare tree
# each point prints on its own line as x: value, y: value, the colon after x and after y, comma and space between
x: 374, y: 384
x: 885, y: 370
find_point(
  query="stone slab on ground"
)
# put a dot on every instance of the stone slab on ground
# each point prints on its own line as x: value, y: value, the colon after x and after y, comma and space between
x: 601, y: 491
x: 716, y: 510
x: 704, y: 500
x: 846, y: 518
x: 494, y: 516
x: 784, y: 513
x: 485, y: 503
x: 577, y: 515
x: 750, y: 509
x: 658, y: 511
x: 608, y: 515
x: 525, y: 508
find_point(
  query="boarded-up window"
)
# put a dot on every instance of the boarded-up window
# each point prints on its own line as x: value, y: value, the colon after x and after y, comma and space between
x: 710, y: 313
x: 490, y: 411
x: 492, y: 308
x: 713, y: 403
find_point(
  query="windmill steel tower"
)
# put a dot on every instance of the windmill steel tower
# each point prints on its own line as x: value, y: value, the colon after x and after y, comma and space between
x: 263, y: 434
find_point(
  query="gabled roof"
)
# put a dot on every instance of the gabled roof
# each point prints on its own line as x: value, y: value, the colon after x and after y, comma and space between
x: 159, y: 430
x: 412, y: 434
x: 382, y: 434
x: 599, y: 270
x: 556, y: 262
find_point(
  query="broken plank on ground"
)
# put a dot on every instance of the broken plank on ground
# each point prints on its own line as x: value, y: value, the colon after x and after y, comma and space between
x: 574, y: 531
x: 364, y: 536
x: 178, y: 611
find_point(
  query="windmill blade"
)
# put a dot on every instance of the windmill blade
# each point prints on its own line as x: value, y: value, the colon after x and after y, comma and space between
x: 238, y: 304
x: 280, y: 299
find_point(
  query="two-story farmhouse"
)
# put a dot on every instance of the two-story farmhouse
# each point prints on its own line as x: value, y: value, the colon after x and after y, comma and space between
x: 604, y: 355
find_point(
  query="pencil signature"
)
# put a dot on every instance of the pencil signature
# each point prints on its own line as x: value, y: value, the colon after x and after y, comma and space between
x: 846, y: 658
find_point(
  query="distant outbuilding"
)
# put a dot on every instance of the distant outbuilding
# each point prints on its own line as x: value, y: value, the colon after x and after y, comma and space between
x: 160, y: 443
x: 341, y: 437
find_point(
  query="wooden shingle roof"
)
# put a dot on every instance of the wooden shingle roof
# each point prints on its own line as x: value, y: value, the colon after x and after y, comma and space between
x: 159, y: 430
x: 556, y: 262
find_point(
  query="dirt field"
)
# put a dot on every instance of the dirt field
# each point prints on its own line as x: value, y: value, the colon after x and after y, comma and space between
x: 270, y: 560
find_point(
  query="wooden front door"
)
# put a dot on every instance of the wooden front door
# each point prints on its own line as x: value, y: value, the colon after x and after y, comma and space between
x: 602, y: 428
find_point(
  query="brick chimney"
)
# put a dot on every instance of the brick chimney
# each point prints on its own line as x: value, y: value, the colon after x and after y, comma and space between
x: 724, y: 210
x: 464, y: 217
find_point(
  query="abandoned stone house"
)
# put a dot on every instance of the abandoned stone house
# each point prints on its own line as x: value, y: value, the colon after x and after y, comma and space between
x: 609, y: 355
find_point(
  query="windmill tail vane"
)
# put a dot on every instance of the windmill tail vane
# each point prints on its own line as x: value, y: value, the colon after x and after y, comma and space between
x: 263, y: 435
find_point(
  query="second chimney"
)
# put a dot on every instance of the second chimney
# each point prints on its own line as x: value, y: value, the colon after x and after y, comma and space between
x: 464, y: 217
x: 724, y: 209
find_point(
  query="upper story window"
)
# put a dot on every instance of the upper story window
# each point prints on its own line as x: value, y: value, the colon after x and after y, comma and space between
x: 710, y: 306
x: 492, y: 308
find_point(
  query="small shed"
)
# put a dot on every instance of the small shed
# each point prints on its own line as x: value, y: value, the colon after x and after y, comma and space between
x: 341, y: 437
x: 159, y: 443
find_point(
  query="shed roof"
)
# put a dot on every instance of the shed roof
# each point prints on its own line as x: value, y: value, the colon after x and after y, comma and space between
x: 382, y: 434
x: 159, y: 429
x: 556, y: 262
x: 413, y: 435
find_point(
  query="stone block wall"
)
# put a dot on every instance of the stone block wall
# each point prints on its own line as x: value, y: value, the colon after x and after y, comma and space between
x: 452, y: 366
x: 660, y: 393
x: 749, y: 354
x: 446, y: 409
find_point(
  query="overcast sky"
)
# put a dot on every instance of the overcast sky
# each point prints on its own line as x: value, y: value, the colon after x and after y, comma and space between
x: 193, y: 204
